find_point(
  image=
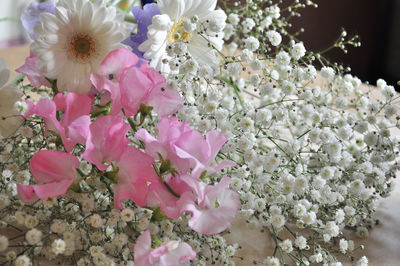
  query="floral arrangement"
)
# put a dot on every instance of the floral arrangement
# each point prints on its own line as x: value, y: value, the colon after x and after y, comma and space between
x: 137, y: 135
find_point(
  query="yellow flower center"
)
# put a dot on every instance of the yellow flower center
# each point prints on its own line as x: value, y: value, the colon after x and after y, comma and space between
x: 82, y: 46
x: 178, y: 34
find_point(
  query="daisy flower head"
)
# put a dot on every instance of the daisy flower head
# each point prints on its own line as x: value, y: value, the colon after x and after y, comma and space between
x: 73, y: 42
x: 194, y: 24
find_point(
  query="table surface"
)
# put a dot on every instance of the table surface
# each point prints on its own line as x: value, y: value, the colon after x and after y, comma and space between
x: 382, y: 247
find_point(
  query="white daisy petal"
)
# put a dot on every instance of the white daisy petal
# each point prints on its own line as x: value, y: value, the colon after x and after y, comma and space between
x: 74, y: 41
x: 176, y: 23
x: 174, y: 8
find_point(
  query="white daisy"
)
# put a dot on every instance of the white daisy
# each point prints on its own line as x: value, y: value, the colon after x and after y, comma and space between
x: 73, y: 42
x: 9, y: 94
x: 193, y: 22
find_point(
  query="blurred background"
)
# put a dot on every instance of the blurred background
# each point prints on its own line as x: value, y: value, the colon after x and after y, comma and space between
x: 376, y: 22
x: 11, y: 30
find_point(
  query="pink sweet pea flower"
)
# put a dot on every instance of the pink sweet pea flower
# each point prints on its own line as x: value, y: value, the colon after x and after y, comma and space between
x: 135, y: 176
x: 172, y: 253
x: 145, y: 85
x: 160, y: 196
x: 213, y: 208
x: 109, y: 72
x: 74, y: 125
x: 33, y: 73
x: 57, y: 170
x: 107, y: 141
x: 185, y: 148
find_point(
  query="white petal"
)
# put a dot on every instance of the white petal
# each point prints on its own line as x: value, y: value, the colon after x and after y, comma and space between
x: 173, y: 8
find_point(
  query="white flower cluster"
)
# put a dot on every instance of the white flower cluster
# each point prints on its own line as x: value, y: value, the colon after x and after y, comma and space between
x: 310, y: 160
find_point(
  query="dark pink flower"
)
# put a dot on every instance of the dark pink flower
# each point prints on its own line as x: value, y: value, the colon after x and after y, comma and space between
x: 172, y: 253
x: 57, y: 170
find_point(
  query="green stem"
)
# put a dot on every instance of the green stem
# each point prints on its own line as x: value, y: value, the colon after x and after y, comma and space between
x: 131, y: 19
x: 234, y: 86
x: 18, y: 79
x: 10, y: 19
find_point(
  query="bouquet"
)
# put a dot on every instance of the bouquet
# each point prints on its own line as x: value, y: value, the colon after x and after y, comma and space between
x: 138, y: 136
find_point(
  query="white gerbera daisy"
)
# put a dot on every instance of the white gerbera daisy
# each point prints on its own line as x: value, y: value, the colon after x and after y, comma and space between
x: 73, y: 42
x: 9, y: 94
x: 193, y: 22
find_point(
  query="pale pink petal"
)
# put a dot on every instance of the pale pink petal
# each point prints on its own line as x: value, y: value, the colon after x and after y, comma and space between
x: 170, y: 129
x: 31, y: 109
x: 220, y: 205
x: 152, y: 74
x: 32, y: 72
x: 142, y: 249
x: 223, y: 164
x: 185, y: 148
x: 179, y: 256
x: 172, y: 253
x: 47, y: 110
x: 117, y: 60
x: 77, y: 132
x: 153, y: 147
x: 165, y: 101
x: 135, y: 86
x: 216, y: 140
x: 156, y: 254
x: 107, y: 141
x: 112, y: 89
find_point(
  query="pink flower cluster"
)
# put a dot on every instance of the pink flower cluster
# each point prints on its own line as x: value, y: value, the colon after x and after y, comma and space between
x: 167, y: 174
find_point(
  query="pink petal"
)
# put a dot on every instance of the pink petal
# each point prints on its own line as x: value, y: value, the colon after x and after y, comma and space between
x: 142, y: 249
x: 26, y: 194
x: 135, y: 86
x: 117, y: 60
x: 47, y: 110
x: 53, y: 189
x: 153, y: 147
x: 135, y: 174
x: 221, y: 216
x: 77, y: 132
x: 179, y: 256
x: 156, y: 254
x: 52, y: 166
x: 215, y: 140
x: 152, y: 74
x: 112, y: 89
x: 160, y: 196
x: 33, y: 73
x: 165, y: 101
x: 170, y: 129
x: 107, y: 141
x: 76, y: 105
